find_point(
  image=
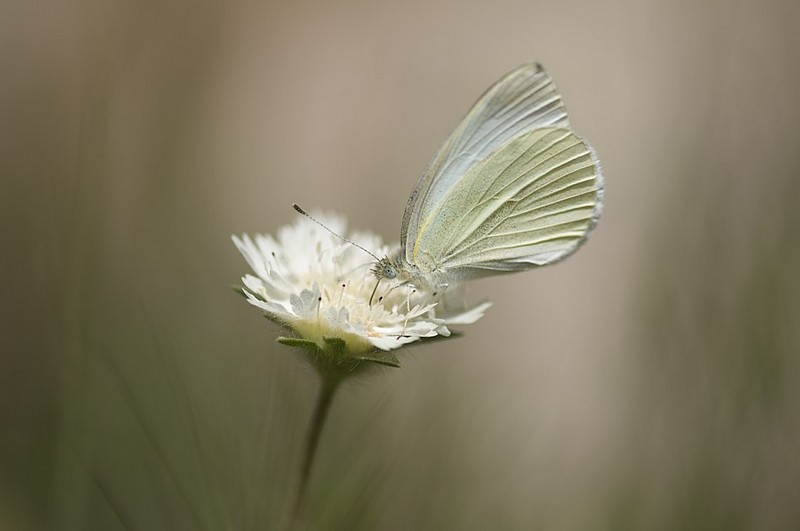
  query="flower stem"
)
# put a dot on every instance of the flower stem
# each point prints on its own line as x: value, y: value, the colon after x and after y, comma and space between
x: 324, y: 399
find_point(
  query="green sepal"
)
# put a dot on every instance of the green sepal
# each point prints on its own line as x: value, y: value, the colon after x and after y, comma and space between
x: 382, y: 358
x: 296, y: 342
x: 333, y: 361
x: 277, y: 320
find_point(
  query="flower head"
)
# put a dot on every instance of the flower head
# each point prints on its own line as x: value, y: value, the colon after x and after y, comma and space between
x: 319, y: 287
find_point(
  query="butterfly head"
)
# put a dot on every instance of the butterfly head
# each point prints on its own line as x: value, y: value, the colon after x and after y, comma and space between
x: 386, y: 268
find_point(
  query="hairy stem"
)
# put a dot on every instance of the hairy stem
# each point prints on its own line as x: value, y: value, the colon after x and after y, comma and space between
x: 324, y: 399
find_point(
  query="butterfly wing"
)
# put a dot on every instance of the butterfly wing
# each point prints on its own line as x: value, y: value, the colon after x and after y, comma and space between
x: 524, y: 99
x: 530, y: 202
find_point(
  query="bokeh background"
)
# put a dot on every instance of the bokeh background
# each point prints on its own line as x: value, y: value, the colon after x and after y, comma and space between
x: 651, y: 381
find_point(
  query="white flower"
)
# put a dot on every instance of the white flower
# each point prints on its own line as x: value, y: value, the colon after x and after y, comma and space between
x: 319, y: 287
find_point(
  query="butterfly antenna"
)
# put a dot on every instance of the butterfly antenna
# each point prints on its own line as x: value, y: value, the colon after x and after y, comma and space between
x: 309, y: 216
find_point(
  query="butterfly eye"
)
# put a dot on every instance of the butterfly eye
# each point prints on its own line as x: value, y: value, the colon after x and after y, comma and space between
x: 389, y: 272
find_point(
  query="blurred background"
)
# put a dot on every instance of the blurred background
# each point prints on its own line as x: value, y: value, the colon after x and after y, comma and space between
x: 651, y: 381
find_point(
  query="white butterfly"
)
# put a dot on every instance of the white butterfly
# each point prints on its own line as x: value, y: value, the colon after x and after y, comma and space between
x: 513, y: 188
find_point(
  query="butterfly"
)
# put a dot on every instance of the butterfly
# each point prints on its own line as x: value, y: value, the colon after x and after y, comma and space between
x: 513, y: 188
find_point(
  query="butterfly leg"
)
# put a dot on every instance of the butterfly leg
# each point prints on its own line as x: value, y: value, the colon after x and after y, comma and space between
x: 438, y: 295
x: 410, y: 290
